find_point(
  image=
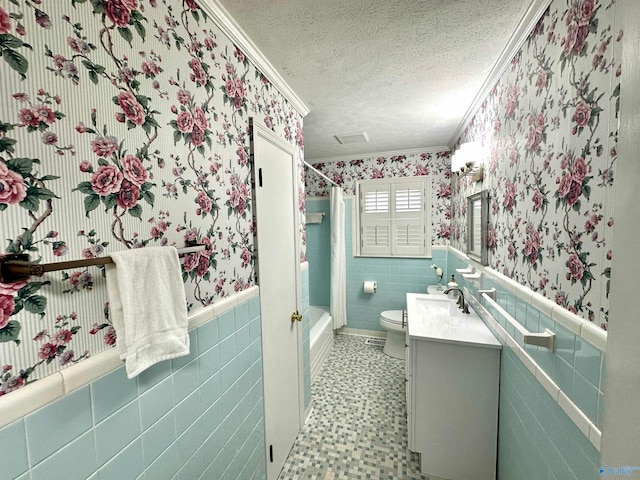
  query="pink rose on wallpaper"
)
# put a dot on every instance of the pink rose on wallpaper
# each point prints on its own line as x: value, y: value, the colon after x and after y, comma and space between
x: 300, y: 137
x: 197, y: 136
x: 6, y: 309
x: 133, y: 170
x: 541, y: 81
x: 444, y: 231
x: 184, y: 97
x: 185, y: 122
x: 245, y: 256
x: 198, y: 74
x: 204, y: 202
x: 131, y: 108
x: 509, y: 195
x: 532, y: 247
x: 580, y: 169
x: 118, y: 12
x: 200, y: 119
x: 582, y: 114
x: 5, y: 21
x: 444, y: 190
x: 12, y: 187
x: 421, y: 170
x: 511, y: 249
x: 191, y: 5
x: 203, y: 265
x: 208, y: 246
x: 576, y: 268
x: 189, y: 262
x: 110, y: 336
x: 575, y: 190
x: 564, y: 186
x: 512, y: 101
x: 243, y: 158
x: 492, y: 237
x: 78, y: 45
x: 585, y: 11
x: 538, y: 200
x: 104, y: 146
x: 106, y: 180
x: 534, y: 139
x: 12, y: 288
x: 86, y: 166
x: 150, y: 68
x: 128, y: 195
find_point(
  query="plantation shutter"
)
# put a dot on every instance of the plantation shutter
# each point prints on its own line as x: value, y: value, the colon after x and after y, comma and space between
x: 375, y: 219
x: 408, y: 233
x: 394, y: 217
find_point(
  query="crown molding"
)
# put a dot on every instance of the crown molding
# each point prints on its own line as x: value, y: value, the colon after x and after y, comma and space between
x: 237, y: 35
x: 519, y: 36
x: 355, y: 156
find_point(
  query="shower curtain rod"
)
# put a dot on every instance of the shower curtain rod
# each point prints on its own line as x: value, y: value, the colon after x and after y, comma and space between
x: 321, y: 174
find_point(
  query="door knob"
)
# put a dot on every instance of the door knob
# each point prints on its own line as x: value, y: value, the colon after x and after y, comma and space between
x: 296, y: 316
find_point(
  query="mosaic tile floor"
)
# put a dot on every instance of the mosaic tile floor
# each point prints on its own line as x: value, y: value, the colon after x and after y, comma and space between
x: 358, y: 428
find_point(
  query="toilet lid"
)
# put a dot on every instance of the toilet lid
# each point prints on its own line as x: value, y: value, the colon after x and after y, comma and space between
x: 393, y: 316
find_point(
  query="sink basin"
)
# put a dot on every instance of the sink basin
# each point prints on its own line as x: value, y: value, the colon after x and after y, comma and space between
x: 436, y: 306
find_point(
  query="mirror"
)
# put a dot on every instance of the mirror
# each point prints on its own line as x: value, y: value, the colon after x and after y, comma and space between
x: 477, y: 221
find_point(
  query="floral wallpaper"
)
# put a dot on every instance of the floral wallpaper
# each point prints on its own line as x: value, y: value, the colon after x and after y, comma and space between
x: 549, y: 128
x: 435, y: 164
x: 124, y: 123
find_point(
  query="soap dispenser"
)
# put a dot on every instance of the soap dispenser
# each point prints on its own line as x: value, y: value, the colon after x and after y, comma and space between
x: 452, y: 283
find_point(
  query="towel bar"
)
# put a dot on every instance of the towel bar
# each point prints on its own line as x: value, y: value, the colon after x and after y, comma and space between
x: 16, y: 266
x: 544, y: 339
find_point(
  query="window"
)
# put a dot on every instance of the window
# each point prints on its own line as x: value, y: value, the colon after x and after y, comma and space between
x: 393, y: 217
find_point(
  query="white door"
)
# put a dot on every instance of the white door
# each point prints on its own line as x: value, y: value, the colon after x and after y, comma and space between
x: 276, y: 174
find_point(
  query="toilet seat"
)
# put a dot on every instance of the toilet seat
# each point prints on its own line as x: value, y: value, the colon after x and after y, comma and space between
x: 392, y: 320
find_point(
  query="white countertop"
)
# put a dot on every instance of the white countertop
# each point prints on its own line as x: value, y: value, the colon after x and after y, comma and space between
x: 437, y: 318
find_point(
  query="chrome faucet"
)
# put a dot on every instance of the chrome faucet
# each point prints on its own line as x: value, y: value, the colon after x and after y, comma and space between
x: 461, y: 303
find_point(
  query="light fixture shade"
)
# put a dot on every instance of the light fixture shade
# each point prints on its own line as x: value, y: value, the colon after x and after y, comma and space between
x: 467, y: 157
x: 457, y: 161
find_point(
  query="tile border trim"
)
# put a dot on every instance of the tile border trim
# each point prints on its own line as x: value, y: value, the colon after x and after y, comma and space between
x: 30, y: 398
x: 586, y: 330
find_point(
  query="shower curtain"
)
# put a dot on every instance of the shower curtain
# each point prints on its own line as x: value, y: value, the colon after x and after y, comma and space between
x: 338, y: 260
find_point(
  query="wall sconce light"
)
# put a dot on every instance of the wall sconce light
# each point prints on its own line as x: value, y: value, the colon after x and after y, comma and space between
x: 468, y: 160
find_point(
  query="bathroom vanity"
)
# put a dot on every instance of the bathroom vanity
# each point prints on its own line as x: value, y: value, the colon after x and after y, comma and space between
x: 453, y: 371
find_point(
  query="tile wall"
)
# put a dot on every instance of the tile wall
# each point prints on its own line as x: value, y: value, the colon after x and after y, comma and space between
x: 538, y: 440
x: 319, y: 251
x: 199, y: 416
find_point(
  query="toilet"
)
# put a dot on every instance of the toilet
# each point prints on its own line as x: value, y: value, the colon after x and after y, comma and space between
x: 391, y: 321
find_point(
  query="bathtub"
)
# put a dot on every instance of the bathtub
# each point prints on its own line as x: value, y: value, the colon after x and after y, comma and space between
x: 320, y: 338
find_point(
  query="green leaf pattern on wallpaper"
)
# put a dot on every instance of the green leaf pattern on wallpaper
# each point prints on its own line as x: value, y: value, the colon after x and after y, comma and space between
x: 126, y: 125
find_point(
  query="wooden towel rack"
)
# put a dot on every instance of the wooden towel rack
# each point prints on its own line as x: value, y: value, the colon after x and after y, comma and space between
x: 16, y: 266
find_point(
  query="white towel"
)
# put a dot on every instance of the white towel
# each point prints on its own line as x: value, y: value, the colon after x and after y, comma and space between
x: 147, y: 306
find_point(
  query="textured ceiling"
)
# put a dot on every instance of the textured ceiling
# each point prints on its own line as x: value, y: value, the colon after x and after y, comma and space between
x: 404, y: 71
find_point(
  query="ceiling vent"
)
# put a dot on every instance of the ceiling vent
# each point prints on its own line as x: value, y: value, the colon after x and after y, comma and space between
x: 357, y: 137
